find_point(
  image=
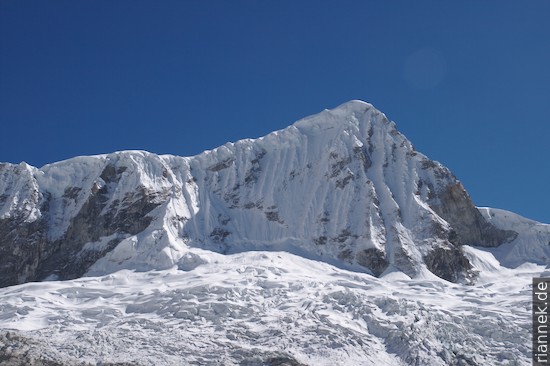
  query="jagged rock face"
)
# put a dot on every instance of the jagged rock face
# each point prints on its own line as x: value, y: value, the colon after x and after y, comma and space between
x: 343, y: 186
x: 455, y: 206
x: 22, y: 232
x: 32, y: 251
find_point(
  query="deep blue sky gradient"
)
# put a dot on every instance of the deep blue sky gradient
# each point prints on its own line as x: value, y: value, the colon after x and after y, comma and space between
x: 468, y: 82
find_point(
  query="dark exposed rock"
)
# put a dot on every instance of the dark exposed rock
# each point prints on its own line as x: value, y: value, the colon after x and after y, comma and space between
x: 260, y: 359
x: 370, y: 133
x: 373, y: 259
x: 223, y: 220
x: 402, y: 260
x: 219, y: 234
x: 233, y: 198
x: 222, y: 165
x: 72, y: 192
x: 343, y: 236
x: 130, y: 217
x: 23, y: 245
x: 363, y: 155
x: 455, y: 206
x: 282, y: 361
x: 322, y: 240
x: 341, y: 183
x: 450, y: 264
x: 255, y: 169
x: 3, y: 198
x: 345, y: 255
x: 324, y: 218
x: 337, y: 167
x: 29, y: 255
x: 273, y: 215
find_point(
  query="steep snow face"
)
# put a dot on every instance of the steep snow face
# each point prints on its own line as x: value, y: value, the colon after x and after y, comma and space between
x: 343, y: 186
x: 19, y: 193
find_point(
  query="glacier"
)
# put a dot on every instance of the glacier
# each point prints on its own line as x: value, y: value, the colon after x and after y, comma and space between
x: 332, y: 241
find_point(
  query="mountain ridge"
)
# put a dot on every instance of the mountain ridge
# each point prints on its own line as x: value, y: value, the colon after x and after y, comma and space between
x: 343, y: 186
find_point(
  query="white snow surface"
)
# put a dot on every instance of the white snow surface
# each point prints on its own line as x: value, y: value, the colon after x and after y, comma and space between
x: 235, y: 308
x: 532, y: 244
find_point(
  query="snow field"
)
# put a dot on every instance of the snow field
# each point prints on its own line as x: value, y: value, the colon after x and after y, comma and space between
x: 234, y: 308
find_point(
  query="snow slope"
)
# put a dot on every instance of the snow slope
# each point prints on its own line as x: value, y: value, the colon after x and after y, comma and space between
x: 532, y: 244
x: 254, y: 307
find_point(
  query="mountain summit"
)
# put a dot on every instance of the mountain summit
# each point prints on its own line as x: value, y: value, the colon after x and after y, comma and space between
x: 342, y: 186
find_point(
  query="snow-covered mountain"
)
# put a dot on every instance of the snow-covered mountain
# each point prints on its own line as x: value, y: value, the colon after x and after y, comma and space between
x: 343, y: 186
x: 331, y: 241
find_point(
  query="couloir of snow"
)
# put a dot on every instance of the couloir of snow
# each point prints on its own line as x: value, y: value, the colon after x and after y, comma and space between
x: 235, y: 309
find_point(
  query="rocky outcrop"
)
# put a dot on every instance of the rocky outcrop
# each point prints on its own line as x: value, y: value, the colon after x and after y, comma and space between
x: 23, y: 246
x: 450, y: 264
x: 455, y: 206
x: 30, y: 254
x: 373, y: 259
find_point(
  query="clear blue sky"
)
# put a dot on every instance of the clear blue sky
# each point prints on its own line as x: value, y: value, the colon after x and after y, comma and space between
x: 468, y: 82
